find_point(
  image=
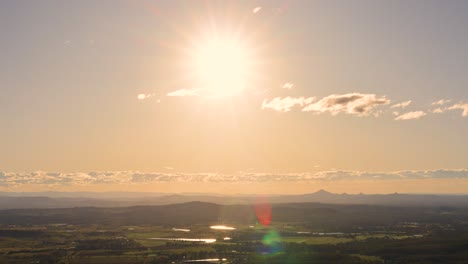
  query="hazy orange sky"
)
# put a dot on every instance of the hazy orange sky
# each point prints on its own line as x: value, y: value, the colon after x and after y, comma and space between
x: 212, y: 96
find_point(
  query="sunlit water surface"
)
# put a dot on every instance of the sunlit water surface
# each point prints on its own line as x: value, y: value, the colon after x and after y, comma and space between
x: 222, y: 227
x: 206, y: 240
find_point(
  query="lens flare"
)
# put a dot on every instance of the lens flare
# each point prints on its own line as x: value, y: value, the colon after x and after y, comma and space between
x: 272, y: 241
x: 263, y: 211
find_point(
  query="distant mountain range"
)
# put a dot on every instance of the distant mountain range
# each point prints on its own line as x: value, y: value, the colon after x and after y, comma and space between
x: 122, y: 199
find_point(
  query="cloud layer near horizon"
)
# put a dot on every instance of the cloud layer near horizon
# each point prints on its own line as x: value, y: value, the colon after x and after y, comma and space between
x: 8, y: 179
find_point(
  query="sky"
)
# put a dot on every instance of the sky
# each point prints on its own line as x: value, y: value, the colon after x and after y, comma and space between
x: 234, y: 96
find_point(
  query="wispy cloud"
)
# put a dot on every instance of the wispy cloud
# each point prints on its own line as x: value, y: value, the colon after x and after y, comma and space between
x: 287, y: 103
x: 256, y: 9
x: 402, y: 104
x: 359, y: 104
x: 462, y: 106
x: 145, y: 96
x: 351, y: 103
x: 411, y: 115
x: 9, y: 179
x: 441, y: 102
x: 288, y: 86
x: 184, y: 92
x: 439, y: 110
x: 459, y: 106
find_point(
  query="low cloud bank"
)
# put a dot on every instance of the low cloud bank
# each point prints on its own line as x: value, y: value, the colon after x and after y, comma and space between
x: 8, y: 179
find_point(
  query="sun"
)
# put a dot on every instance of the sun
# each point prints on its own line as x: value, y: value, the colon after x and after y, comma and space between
x: 221, y: 65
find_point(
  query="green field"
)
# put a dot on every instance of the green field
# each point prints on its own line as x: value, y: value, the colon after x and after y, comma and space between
x: 133, y: 244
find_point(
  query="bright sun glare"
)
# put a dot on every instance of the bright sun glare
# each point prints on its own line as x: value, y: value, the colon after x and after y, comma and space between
x: 221, y: 65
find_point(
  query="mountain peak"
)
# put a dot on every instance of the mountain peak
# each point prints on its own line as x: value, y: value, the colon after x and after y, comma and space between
x: 322, y: 192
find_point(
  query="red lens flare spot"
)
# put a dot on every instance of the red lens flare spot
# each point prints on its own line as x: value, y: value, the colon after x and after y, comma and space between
x: 263, y: 210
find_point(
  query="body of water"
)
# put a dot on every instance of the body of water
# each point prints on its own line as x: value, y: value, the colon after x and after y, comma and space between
x: 222, y: 227
x: 206, y: 240
x: 205, y: 260
x: 181, y: 230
